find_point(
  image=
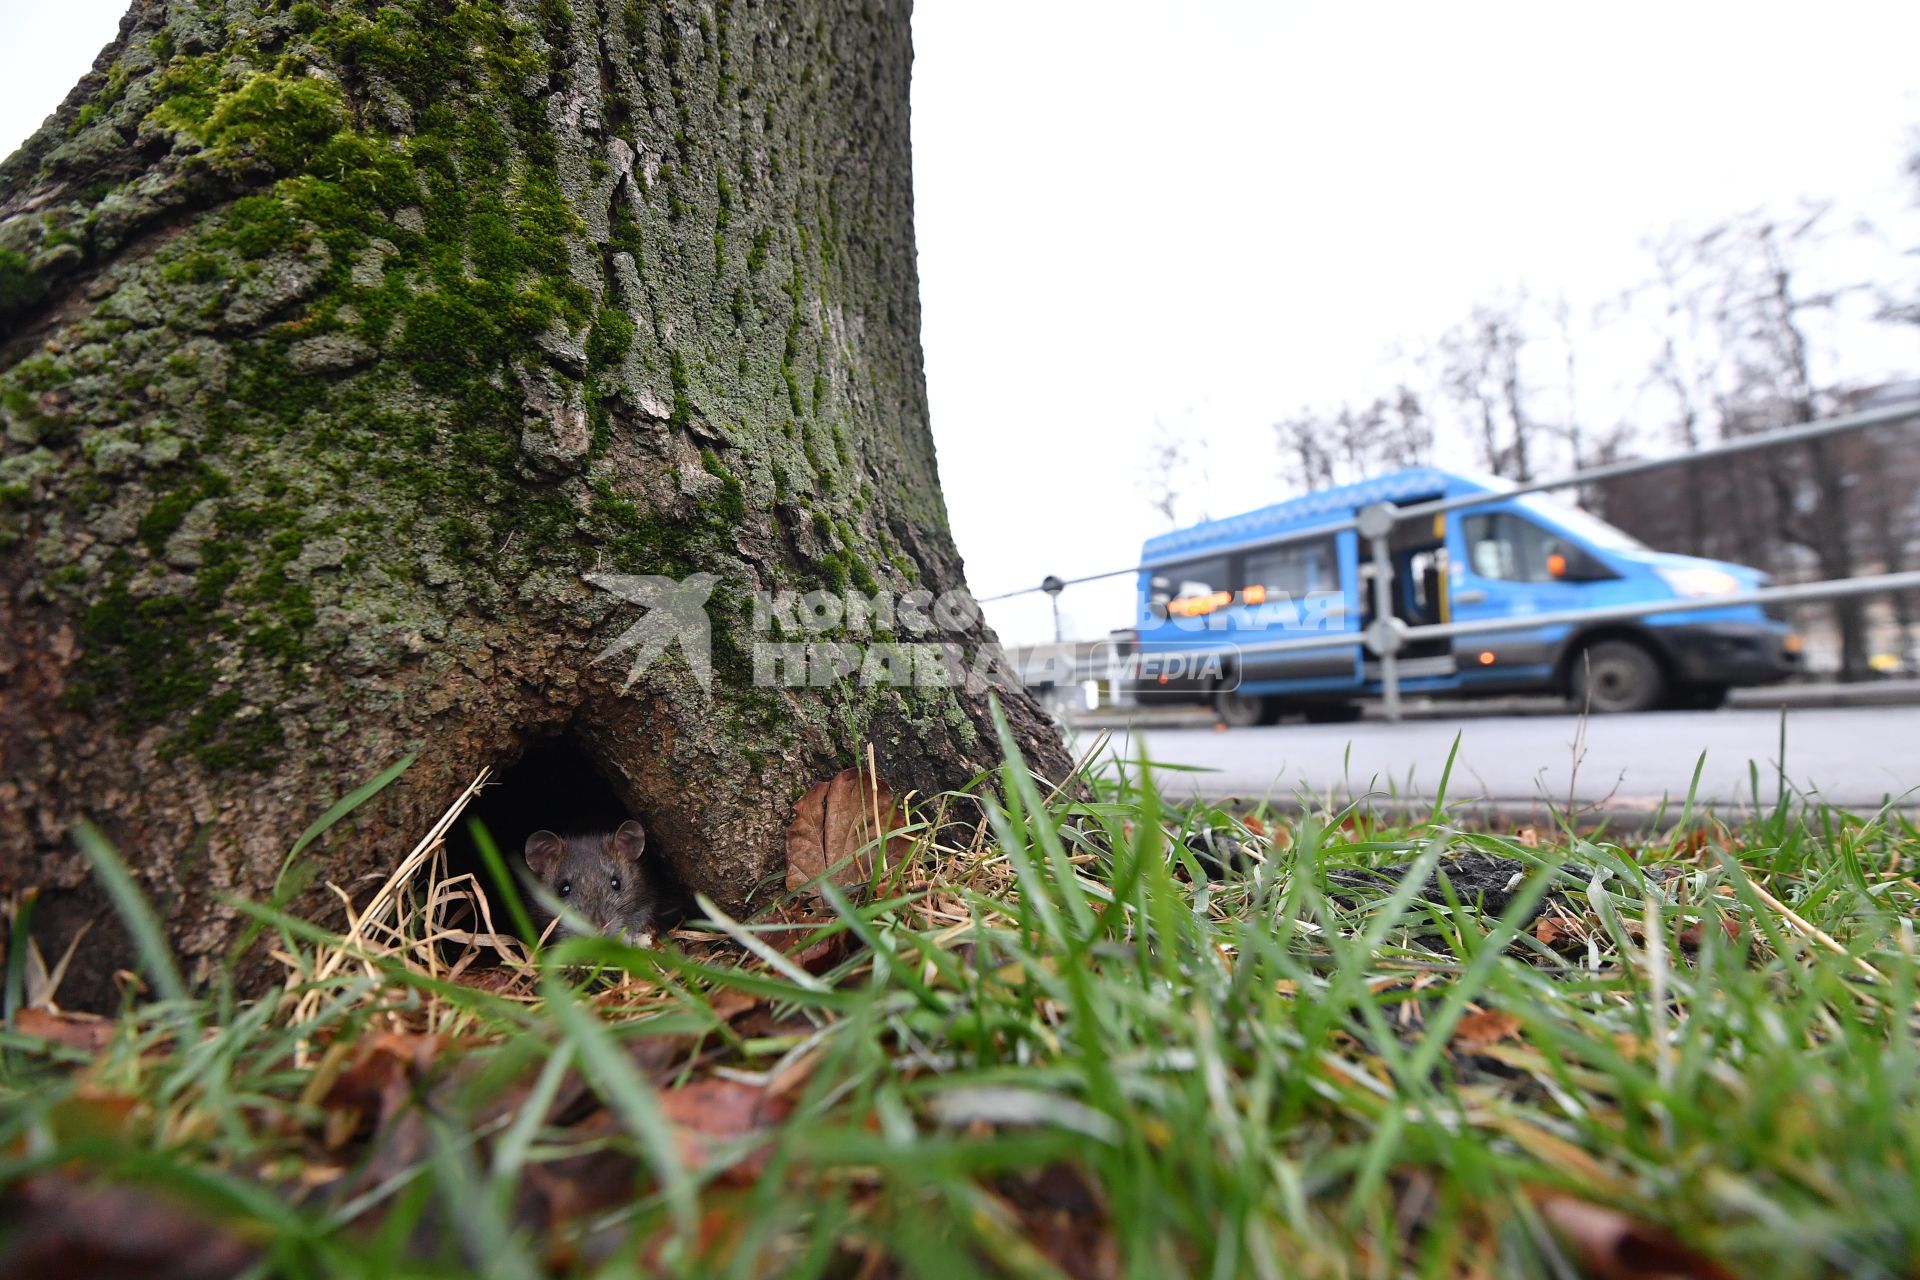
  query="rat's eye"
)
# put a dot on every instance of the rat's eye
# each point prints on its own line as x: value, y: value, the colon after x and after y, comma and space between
x: 616, y: 884
x: 566, y: 887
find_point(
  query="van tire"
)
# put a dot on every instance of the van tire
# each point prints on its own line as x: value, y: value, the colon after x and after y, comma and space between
x: 1613, y: 676
x: 1239, y: 711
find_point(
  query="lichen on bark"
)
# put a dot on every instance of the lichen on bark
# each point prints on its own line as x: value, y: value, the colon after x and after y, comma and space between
x: 341, y: 342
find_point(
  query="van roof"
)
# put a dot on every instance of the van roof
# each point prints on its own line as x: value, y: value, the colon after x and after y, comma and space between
x: 1323, y: 507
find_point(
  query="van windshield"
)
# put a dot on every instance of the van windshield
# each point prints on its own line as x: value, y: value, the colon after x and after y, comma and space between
x: 1584, y: 525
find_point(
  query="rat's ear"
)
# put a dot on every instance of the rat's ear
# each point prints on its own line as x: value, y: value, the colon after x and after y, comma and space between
x: 630, y: 841
x: 543, y: 852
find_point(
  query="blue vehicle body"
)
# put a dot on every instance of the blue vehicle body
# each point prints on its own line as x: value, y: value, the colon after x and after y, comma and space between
x: 1213, y: 598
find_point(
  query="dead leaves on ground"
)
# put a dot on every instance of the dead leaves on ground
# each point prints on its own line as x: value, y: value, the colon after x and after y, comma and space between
x: 1484, y: 1027
x: 837, y: 832
x: 384, y: 1102
x: 384, y: 1070
x: 65, y: 1226
x: 84, y: 1031
x: 713, y: 1116
x: 1568, y: 932
x: 1612, y: 1245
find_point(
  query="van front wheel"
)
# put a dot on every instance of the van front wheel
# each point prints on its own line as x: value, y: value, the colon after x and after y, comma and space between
x: 1239, y: 711
x: 1614, y: 676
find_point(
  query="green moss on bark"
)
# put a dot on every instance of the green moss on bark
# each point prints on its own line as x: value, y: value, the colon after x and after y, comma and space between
x: 428, y: 225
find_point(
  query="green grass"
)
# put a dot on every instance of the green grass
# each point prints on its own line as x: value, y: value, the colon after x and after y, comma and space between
x: 1063, y: 1051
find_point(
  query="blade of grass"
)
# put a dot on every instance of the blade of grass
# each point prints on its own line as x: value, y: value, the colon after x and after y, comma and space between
x: 628, y: 1092
x: 135, y: 912
x: 341, y: 808
x: 503, y: 878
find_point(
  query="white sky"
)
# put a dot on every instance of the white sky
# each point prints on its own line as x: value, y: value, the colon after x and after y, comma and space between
x: 1216, y: 212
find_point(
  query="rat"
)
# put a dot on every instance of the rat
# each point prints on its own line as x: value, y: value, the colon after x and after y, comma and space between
x: 600, y: 878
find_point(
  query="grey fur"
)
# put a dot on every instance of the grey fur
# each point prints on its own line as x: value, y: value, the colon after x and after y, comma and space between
x: 602, y: 878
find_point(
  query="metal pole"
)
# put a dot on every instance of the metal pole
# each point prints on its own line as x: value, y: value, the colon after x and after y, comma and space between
x: 1375, y: 523
x: 1053, y: 586
x: 1382, y: 610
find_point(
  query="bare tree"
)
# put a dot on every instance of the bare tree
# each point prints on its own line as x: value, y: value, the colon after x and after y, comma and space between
x: 1571, y: 428
x: 1388, y: 433
x: 1679, y: 370
x: 1306, y: 450
x: 1177, y: 475
x: 1480, y: 374
x: 1403, y: 429
x: 1765, y: 311
x: 1736, y: 309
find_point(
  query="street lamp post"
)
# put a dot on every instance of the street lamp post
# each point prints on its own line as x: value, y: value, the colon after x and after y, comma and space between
x: 1053, y: 587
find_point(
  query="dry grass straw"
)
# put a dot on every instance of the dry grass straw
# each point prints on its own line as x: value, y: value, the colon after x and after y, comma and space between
x: 417, y: 916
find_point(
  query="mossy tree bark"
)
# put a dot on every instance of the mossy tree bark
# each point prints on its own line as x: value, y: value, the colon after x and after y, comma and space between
x: 339, y: 342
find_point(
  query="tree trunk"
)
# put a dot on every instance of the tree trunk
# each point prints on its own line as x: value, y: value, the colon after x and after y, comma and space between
x: 340, y: 344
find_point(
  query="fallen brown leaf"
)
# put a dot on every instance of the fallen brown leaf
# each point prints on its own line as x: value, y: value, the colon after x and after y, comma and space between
x: 381, y: 1078
x: 729, y: 1004
x: 1559, y: 932
x: 94, y: 1113
x: 814, y: 957
x: 1692, y: 843
x: 85, y: 1031
x: 725, y: 1222
x: 66, y: 1227
x: 832, y: 834
x: 1691, y: 937
x: 1613, y: 1246
x: 713, y: 1113
x: 1487, y: 1026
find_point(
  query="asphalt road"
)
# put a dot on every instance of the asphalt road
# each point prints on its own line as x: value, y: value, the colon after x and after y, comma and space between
x: 1855, y: 757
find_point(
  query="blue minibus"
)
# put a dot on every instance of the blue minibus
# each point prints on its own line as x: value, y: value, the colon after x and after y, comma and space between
x: 1214, y: 599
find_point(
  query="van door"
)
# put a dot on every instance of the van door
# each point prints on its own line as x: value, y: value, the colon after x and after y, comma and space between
x: 1505, y: 569
x: 1417, y: 550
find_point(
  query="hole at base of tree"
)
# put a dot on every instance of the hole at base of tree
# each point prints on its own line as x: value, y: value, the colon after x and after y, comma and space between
x: 554, y: 786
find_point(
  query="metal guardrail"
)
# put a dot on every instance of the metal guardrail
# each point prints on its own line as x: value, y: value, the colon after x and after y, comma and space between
x: 1388, y: 635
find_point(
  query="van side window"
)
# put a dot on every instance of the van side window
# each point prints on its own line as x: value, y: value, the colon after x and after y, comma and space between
x: 1294, y: 570
x: 1510, y: 548
x: 1188, y: 584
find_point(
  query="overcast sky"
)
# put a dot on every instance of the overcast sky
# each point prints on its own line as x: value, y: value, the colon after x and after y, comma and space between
x: 1213, y: 213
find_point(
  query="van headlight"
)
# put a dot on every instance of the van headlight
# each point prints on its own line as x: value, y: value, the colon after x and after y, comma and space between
x: 1697, y: 580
